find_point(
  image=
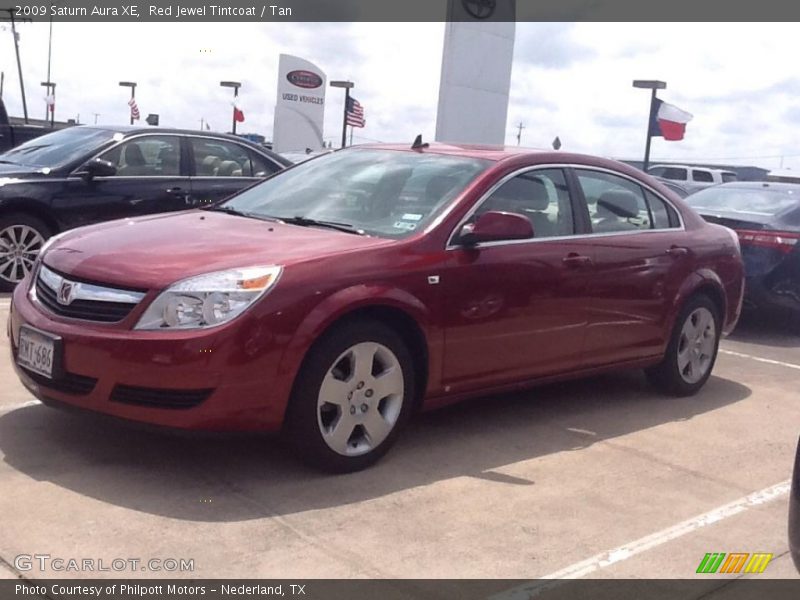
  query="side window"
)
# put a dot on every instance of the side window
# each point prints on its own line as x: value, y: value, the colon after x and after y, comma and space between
x: 615, y: 203
x: 664, y: 216
x: 674, y: 173
x: 218, y: 158
x: 702, y: 176
x: 540, y: 196
x: 146, y: 156
x: 728, y: 177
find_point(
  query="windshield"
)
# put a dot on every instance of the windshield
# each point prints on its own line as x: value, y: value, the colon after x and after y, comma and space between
x: 754, y: 201
x: 381, y: 192
x: 59, y: 148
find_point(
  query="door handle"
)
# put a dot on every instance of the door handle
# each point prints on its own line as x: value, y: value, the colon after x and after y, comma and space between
x: 178, y: 191
x: 677, y: 251
x: 575, y: 260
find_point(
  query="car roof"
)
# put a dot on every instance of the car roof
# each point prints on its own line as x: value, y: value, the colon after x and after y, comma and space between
x: 134, y: 129
x: 506, y: 153
x: 695, y: 167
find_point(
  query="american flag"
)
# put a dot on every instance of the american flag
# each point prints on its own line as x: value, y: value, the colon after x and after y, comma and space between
x: 355, y: 113
x: 134, y: 109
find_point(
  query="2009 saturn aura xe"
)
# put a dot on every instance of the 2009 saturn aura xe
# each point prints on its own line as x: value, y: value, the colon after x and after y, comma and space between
x: 336, y: 297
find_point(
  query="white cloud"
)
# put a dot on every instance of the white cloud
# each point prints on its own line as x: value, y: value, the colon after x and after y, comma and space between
x: 570, y: 80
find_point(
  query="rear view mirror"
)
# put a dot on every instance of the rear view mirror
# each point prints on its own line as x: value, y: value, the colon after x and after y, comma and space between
x: 496, y: 226
x: 97, y: 167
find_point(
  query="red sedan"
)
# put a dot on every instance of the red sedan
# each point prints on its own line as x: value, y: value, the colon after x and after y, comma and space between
x: 336, y: 297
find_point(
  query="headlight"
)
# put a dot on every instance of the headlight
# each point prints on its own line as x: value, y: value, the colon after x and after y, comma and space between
x: 208, y: 300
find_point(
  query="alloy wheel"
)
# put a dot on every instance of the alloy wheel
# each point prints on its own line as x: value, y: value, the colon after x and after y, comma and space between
x: 360, y: 399
x: 19, y: 247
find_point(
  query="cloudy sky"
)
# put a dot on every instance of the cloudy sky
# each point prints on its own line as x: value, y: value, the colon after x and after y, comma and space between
x: 741, y: 81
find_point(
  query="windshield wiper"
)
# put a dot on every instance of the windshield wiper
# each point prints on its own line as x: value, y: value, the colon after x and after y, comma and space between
x: 308, y: 222
x: 239, y: 213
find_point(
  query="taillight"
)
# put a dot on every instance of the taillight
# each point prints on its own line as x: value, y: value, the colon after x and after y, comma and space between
x: 777, y: 240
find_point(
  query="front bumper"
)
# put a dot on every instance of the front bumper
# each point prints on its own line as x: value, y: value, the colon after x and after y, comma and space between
x: 221, y: 379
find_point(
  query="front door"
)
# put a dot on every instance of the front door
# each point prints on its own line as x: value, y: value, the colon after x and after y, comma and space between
x: 515, y: 310
x: 149, y: 179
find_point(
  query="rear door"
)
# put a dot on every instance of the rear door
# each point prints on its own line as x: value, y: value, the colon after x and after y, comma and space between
x: 221, y: 168
x: 641, y: 257
x: 515, y: 310
x: 151, y: 178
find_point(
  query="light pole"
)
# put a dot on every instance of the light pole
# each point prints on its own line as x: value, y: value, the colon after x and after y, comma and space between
x: 132, y: 85
x: 51, y: 101
x: 347, y: 85
x: 235, y: 85
x: 652, y: 85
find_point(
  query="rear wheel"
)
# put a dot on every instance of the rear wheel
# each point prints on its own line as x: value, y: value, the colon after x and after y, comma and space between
x: 692, y: 350
x: 21, y: 238
x: 351, y: 397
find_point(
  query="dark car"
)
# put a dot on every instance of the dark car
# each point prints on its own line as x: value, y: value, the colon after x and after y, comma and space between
x: 794, y: 512
x: 766, y: 216
x: 675, y: 187
x: 84, y: 175
x: 338, y: 296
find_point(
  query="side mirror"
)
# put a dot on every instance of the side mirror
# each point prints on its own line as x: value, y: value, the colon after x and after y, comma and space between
x: 97, y: 167
x: 495, y: 226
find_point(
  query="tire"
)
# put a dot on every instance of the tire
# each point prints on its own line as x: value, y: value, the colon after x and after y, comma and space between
x: 21, y: 238
x: 342, y: 418
x: 692, y: 349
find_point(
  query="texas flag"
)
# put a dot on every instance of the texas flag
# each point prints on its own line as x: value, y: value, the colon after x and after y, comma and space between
x: 669, y: 121
x: 238, y: 113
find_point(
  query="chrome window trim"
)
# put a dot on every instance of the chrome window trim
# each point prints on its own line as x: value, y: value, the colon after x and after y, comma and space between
x: 454, y: 246
x: 246, y: 147
x: 88, y: 291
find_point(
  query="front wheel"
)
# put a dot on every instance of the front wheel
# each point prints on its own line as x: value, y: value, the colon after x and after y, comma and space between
x: 21, y: 238
x: 353, y: 393
x: 692, y: 349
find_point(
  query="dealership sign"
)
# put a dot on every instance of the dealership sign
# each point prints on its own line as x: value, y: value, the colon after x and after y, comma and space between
x: 300, y: 108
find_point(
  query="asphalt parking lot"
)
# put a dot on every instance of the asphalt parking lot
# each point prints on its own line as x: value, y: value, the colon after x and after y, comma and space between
x: 601, y: 478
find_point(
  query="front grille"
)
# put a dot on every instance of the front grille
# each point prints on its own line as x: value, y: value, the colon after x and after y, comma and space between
x: 68, y: 383
x: 103, y: 311
x: 159, y: 398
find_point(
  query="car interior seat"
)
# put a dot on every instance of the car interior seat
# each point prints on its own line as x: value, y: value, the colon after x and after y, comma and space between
x: 133, y: 162
x: 387, y: 191
x: 209, y: 166
x: 527, y: 197
x: 168, y: 157
x: 615, y: 208
x: 229, y: 168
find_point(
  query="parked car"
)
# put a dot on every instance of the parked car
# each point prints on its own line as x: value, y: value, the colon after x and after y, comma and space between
x: 675, y: 187
x: 794, y: 512
x: 692, y: 178
x: 13, y: 135
x: 766, y: 216
x: 333, y: 299
x: 84, y: 175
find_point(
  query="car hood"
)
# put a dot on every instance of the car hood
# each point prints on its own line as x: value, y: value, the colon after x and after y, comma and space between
x: 12, y: 173
x: 154, y: 252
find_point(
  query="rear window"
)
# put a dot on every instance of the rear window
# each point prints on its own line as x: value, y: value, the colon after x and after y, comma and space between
x: 763, y: 202
x: 728, y: 177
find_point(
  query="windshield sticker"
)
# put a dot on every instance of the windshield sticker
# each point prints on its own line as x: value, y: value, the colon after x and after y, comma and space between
x: 411, y: 217
x: 404, y: 225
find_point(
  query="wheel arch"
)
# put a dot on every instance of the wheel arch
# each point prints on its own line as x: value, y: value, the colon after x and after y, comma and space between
x: 32, y: 208
x: 398, y: 309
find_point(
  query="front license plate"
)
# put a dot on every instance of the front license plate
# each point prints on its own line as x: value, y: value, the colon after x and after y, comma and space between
x: 37, y: 351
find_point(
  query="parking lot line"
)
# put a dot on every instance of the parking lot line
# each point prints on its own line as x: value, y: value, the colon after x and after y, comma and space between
x: 621, y: 553
x: 769, y: 361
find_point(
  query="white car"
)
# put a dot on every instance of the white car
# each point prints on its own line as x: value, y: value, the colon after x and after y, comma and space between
x: 692, y: 178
